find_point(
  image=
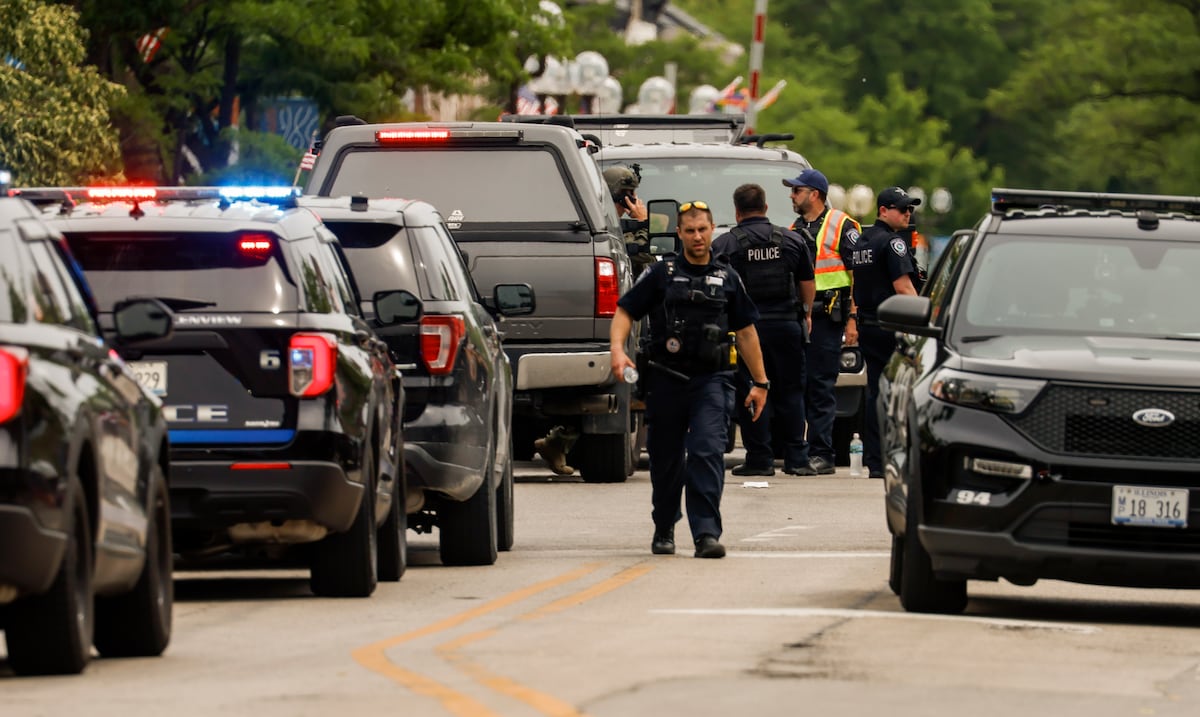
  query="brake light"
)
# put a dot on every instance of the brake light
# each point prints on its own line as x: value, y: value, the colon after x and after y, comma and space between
x: 387, y: 136
x: 255, y: 246
x: 607, y: 289
x: 311, y: 362
x: 122, y: 193
x: 14, y: 366
x: 440, y: 337
x: 276, y: 466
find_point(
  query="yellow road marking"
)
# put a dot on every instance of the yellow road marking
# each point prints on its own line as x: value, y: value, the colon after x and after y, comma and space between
x: 374, y: 656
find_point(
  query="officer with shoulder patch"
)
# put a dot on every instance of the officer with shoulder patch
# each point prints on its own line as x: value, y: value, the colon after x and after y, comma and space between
x: 826, y: 231
x: 622, y: 187
x: 883, y: 266
x: 693, y: 301
x: 777, y: 270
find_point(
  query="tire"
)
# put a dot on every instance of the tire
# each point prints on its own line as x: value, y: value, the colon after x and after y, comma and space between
x: 504, y: 509
x: 920, y: 590
x: 393, y: 538
x: 138, y: 623
x: 633, y: 445
x: 896, y: 566
x: 51, y: 633
x: 601, y: 457
x: 467, y: 530
x: 522, y: 440
x: 345, y: 564
x: 731, y: 436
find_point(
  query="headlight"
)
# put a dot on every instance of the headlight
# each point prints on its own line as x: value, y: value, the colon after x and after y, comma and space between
x: 1001, y: 394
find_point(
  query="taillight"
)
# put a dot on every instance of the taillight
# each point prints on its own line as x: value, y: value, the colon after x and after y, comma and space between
x: 311, y: 362
x: 14, y: 365
x: 440, y: 337
x: 607, y: 289
x: 401, y: 136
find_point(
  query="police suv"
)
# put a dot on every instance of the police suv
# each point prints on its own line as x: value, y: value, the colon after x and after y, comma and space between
x: 280, y: 400
x: 1041, y: 416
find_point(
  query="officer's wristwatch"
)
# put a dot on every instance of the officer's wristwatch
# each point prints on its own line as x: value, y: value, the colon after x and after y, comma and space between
x: 764, y: 385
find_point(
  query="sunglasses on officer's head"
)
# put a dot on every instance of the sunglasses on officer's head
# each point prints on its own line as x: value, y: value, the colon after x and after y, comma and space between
x: 688, y: 205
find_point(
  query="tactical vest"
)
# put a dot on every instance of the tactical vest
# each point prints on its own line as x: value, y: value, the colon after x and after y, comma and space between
x: 829, y: 270
x: 689, y: 331
x: 768, y: 281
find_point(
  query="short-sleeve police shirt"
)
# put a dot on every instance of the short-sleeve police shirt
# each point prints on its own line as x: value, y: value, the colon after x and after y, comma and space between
x: 879, y: 258
x: 649, y: 291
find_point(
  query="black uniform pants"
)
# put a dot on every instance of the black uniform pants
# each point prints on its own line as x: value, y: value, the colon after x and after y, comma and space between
x: 824, y: 362
x: 782, y: 342
x: 877, y: 348
x: 686, y: 430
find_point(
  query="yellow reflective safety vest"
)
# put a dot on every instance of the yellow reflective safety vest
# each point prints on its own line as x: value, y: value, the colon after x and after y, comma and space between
x: 830, y: 272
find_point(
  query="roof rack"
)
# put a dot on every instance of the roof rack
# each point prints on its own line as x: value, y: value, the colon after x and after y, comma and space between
x: 1010, y: 200
x: 69, y: 196
x: 760, y: 139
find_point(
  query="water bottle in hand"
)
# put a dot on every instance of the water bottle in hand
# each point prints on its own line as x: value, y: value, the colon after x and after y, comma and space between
x: 856, y: 457
x: 630, y: 375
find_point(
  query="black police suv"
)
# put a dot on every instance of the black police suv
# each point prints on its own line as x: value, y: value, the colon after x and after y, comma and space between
x: 282, y: 402
x: 1041, y: 416
x: 85, y: 534
x: 458, y: 384
x: 527, y: 204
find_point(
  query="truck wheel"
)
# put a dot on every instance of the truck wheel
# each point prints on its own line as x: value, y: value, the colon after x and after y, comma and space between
x: 920, y: 589
x: 138, y: 624
x: 467, y: 530
x: 51, y: 634
x: 344, y: 564
x: 393, y: 538
x: 504, y: 509
x: 602, y: 457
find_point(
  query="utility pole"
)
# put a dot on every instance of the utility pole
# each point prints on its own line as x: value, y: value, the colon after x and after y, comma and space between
x: 756, y: 60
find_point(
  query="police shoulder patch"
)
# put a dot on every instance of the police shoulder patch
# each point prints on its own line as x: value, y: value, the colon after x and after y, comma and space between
x: 853, y: 236
x: 899, y: 246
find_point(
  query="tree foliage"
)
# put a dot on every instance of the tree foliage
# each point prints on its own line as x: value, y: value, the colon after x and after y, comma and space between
x: 54, y: 109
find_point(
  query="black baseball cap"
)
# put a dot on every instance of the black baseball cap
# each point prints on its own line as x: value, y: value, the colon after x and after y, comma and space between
x: 897, y: 198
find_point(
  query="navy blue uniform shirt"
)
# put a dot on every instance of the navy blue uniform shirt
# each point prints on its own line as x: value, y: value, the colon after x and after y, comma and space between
x: 650, y: 289
x: 795, y: 255
x: 878, y: 258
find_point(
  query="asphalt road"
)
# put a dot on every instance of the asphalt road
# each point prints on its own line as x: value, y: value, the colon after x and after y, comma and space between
x: 580, y: 619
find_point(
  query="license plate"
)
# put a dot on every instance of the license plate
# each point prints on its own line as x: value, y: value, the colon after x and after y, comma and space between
x: 152, y: 375
x: 1147, y: 505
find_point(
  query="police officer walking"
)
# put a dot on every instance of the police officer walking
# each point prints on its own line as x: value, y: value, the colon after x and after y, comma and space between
x: 777, y: 270
x: 826, y: 230
x: 883, y: 266
x: 693, y: 301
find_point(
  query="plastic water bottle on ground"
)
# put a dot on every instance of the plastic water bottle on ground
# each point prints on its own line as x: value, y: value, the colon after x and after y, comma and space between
x: 856, y: 457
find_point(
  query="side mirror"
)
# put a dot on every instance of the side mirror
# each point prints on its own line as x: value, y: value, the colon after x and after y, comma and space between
x: 909, y: 314
x: 663, y: 216
x: 398, y: 306
x: 142, y: 319
x: 513, y: 299
x: 663, y: 245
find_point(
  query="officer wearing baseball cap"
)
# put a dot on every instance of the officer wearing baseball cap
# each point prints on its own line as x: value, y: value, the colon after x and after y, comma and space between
x: 882, y: 266
x: 826, y: 231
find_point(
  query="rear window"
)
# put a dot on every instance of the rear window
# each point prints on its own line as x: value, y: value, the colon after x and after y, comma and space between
x: 713, y: 180
x: 466, y: 185
x: 228, y: 271
x: 379, y: 255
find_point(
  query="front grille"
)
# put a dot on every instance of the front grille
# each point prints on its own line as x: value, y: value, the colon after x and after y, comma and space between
x: 1098, y: 421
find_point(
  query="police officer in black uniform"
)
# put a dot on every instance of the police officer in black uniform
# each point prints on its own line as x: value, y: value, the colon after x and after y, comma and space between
x: 693, y: 301
x: 882, y: 266
x: 777, y: 270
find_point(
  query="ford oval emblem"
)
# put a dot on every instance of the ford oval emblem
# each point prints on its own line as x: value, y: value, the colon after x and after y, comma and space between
x: 1153, y: 417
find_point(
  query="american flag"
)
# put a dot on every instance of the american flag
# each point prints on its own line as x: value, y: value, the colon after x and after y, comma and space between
x: 308, y: 160
x: 527, y: 102
x: 148, y: 44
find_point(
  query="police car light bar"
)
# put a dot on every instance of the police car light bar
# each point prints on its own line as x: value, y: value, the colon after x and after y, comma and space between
x: 1008, y: 200
x: 265, y: 194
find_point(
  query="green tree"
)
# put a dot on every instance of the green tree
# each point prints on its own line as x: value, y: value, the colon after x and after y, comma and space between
x: 54, y: 109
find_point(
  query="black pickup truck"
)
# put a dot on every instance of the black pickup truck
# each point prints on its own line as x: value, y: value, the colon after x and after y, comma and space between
x: 527, y: 205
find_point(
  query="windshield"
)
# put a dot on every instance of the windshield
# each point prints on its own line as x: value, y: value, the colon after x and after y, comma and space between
x: 1081, y: 286
x: 713, y: 180
x: 480, y: 184
x: 190, y: 271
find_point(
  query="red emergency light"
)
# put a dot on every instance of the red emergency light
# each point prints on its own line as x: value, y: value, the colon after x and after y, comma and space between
x: 132, y: 193
x: 411, y: 135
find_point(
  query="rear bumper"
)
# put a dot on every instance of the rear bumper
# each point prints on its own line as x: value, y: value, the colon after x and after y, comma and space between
x: 560, y: 366
x: 208, y: 495
x: 30, y: 554
x: 445, y: 450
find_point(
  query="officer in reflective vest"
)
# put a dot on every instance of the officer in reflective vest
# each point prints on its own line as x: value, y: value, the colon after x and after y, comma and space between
x: 882, y: 266
x: 692, y: 301
x: 777, y: 270
x: 826, y: 230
